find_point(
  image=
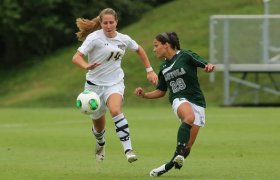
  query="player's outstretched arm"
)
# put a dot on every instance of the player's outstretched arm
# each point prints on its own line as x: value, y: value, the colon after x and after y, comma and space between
x: 149, y: 95
x: 151, y: 75
x: 209, y: 68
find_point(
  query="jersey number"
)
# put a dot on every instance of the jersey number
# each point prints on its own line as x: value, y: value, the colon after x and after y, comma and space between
x: 115, y: 55
x: 177, y: 85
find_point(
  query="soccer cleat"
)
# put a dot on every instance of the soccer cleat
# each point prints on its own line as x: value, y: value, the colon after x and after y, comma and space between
x: 130, y: 156
x: 99, y: 152
x: 158, y: 171
x: 178, y: 161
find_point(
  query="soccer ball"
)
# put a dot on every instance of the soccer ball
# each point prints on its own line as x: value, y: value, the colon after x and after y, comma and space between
x: 88, y: 102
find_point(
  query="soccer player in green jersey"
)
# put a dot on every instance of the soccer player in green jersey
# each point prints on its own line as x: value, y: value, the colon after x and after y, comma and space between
x: 178, y: 74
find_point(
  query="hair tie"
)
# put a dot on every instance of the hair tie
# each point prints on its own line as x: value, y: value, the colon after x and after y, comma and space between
x: 165, y: 35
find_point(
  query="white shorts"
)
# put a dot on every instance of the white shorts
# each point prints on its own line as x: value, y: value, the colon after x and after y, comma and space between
x: 104, y: 93
x: 199, y: 112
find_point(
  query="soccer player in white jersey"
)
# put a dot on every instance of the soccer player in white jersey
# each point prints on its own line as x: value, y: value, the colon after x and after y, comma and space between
x: 105, y: 48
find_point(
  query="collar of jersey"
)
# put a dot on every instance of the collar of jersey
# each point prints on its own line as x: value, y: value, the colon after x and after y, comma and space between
x: 170, y: 63
x: 172, y: 59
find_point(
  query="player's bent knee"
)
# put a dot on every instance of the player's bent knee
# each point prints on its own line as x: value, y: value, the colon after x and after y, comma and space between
x: 188, y: 119
x: 115, y: 112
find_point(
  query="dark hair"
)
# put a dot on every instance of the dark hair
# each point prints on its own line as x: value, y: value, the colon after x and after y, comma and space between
x: 169, y: 37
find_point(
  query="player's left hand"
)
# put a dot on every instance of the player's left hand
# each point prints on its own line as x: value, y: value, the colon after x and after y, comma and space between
x: 209, y: 68
x: 152, y: 77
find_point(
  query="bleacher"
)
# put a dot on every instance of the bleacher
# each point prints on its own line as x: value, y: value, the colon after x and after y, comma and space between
x: 246, y: 48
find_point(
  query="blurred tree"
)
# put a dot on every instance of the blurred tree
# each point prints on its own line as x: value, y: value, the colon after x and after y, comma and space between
x: 38, y: 27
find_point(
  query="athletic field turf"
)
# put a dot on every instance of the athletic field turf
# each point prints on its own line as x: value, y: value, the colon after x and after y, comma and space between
x: 237, y: 143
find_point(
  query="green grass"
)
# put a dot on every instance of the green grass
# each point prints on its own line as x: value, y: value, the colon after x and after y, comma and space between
x: 40, y: 143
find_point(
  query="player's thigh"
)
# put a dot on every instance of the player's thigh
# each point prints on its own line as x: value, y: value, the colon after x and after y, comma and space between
x: 114, y: 98
x: 185, y: 112
x: 114, y: 102
x: 199, y: 115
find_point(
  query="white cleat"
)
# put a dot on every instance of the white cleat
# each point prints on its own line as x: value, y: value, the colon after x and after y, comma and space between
x: 99, y: 152
x: 179, y: 161
x: 158, y: 171
x: 130, y: 156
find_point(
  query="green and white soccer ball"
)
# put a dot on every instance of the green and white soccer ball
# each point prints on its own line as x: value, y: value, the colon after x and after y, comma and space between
x: 88, y: 102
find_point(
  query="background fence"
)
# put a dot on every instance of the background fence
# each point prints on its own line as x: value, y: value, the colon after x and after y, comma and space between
x: 246, y: 44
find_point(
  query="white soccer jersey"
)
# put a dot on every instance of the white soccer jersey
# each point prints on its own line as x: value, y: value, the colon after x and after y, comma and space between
x: 108, y: 52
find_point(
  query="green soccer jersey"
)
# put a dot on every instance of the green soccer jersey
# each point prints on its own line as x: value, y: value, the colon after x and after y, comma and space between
x: 179, y: 75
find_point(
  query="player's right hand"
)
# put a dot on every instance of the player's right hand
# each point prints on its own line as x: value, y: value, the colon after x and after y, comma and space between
x: 139, y: 92
x: 92, y: 66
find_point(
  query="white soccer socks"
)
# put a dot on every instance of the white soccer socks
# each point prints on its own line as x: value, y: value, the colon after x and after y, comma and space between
x: 100, y: 137
x: 122, y: 131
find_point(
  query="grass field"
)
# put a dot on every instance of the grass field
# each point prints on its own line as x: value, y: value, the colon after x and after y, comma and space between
x: 237, y: 143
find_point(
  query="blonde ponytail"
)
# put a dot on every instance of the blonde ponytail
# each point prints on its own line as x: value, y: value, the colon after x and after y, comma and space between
x: 86, y: 27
